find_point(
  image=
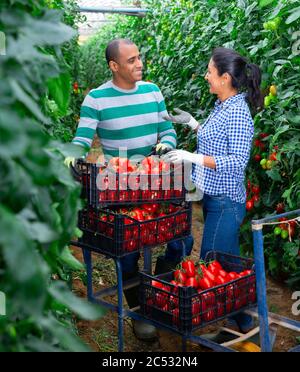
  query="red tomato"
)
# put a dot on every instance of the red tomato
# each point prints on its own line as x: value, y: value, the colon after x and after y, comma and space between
x: 257, y: 143
x: 156, y: 284
x: 246, y: 272
x: 208, y: 302
x: 196, y: 309
x: 191, y: 282
x: 205, y: 283
x: 220, y: 280
x: 223, y: 273
x: 217, y: 264
x: 161, y: 300
x: 180, y: 276
x: 255, y: 189
x: 255, y: 198
x: 257, y: 158
x: 214, y: 267
x: 150, y: 208
x: 231, y: 276
x: 280, y: 207
x: 138, y: 214
x: 263, y: 135
x: 249, y: 205
x: 189, y: 267
x: 208, y: 274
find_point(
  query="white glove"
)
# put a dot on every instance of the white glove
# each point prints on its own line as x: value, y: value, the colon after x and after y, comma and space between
x: 178, y: 156
x: 162, y: 148
x: 69, y: 160
x: 183, y: 117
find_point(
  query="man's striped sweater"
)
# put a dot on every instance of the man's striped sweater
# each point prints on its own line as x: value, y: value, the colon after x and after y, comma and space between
x: 125, y: 119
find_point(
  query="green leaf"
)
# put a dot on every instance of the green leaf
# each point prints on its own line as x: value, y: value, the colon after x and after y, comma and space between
x: 274, y: 174
x: 65, y: 338
x: 282, y: 130
x: 27, y: 101
x: 295, y: 14
x: 263, y: 3
x: 59, y: 91
x: 67, y: 258
x: 62, y: 294
x: 16, y: 245
x: 273, y: 263
x: 291, y: 248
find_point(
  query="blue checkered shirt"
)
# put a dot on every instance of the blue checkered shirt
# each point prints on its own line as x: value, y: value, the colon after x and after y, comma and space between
x: 227, y: 136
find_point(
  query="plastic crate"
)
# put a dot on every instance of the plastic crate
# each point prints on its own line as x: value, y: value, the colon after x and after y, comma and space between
x: 117, y: 235
x: 82, y: 174
x: 109, y: 189
x: 184, y: 309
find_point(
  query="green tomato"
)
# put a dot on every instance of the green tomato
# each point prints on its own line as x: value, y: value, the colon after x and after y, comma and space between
x: 269, y: 164
x: 273, y: 91
x: 272, y: 26
x: 264, y: 155
x: 263, y: 162
x: 284, y: 234
x: 277, y: 21
x: 277, y: 230
x: 267, y: 101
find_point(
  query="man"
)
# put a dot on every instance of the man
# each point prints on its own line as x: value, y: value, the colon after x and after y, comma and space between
x: 127, y: 113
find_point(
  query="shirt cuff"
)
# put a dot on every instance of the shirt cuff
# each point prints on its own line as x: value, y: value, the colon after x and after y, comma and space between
x: 220, y: 163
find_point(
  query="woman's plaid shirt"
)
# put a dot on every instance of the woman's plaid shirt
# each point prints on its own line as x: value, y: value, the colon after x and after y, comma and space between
x: 227, y: 136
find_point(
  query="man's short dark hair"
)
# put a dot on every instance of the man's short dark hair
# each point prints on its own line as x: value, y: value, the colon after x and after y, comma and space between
x: 112, y: 50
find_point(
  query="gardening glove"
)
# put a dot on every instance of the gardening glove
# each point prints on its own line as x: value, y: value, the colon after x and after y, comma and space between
x: 162, y: 148
x: 178, y: 156
x: 183, y: 117
x: 69, y: 160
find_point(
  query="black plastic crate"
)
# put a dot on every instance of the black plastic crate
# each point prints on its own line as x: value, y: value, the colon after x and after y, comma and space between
x: 184, y: 309
x: 82, y: 174
x: 104, y: 188
x: 116, y: 235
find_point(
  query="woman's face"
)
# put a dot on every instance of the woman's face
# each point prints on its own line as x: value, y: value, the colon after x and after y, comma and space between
x: 216, y: 83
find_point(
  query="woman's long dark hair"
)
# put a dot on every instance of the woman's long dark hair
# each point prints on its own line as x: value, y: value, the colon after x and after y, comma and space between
x: 244, y: 75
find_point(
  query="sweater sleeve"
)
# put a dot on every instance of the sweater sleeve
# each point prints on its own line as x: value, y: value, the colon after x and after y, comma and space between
x: 166, y: 132
x: 89, y: 119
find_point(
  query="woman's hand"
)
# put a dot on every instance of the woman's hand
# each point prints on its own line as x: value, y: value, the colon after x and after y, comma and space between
x: 183, y: 117
x: 178, y: 156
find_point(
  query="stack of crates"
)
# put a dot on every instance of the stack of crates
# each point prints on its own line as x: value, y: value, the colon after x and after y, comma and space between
x: 106, y: 226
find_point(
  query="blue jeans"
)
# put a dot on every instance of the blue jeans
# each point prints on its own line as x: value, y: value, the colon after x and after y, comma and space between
x: 223, y: 218
x: 173, y: 254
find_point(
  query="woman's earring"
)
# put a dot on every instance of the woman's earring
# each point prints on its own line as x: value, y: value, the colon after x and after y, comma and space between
x: 222, y: 83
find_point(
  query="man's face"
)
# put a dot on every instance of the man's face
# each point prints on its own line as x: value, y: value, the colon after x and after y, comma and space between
x: 129, y: 65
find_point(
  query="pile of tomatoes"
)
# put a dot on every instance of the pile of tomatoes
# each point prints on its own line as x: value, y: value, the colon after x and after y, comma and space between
x: 216, y: 292
x: 147, y: 225
x: 253, y: 195
x: 151, y: 179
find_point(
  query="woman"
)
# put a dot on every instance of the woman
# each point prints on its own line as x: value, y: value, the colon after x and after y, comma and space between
x: 223, y: 150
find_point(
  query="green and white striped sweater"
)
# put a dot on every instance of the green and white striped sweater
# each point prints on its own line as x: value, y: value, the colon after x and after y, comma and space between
x: 125, y: 119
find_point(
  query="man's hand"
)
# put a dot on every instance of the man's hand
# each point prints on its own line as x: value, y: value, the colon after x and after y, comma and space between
x: 162, y: 148
x: 69, y: 160
x: 183, y: 117
x: 178, y: 156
